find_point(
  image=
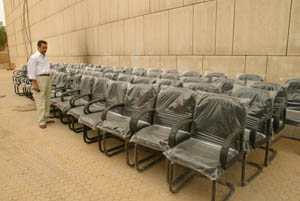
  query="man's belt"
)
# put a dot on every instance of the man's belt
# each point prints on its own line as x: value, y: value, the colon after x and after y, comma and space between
x: 44, y: 75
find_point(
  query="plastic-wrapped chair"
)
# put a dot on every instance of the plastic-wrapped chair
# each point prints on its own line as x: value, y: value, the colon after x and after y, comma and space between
x: 154, y: 75
x: 65, y: 103
x: 173, y: 105
x: 166, y: 82
x: 139, y: 72
x: 118, y: 70
x: 211, y: 76
x: 258, y: 126
x: 293, y: 105
x: 98, y: 93
x: 97, y: 74
x: 127, y: 70
x: 138, y: 97
x: 125, y: 78
x: 191, y: 74
x: 193, y: 80
x: 206, y: 87
x: 226, y: 85
x: 279, y: 94
x: 115, y: 92
x: 250, y: 77
x: 214, y: 145
x: 107, y: 69
x: 111, y: 76
x: 143, y: 80
x: 171, y: 76
x: 171, y: 72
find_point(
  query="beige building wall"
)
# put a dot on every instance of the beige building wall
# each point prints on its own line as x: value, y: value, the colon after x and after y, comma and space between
x: 229, y: 36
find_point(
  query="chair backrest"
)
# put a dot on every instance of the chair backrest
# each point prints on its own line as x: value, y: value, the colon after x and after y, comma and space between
x: 76, y: 81
x: 293, y: 89
x: 206, y: 87
x: 125, y: 77
x: 100, y: 88
x: 171, y: 72
x: 193, y: 80
x: 226, y: 85
x: 171, y: 76
x: 251, y: 77
x: 111, y: 76
x: 97, y: 74
x: 61, y: 79
x: 210, y: 76
x: 166, y: 82
x: 140, y: 97
x: 127, y: 70
x: 218, y: 116
x: 143, y: 80
x: 155, y: 70
x: 116, y: 93
x: 260, y: 102
x: 118, y: 70
x: 154, y: 75
x: 191, y: 74
x: 139, y: 72
x: 86, y: 85
x: 277, y: 91
x: 174, y: 104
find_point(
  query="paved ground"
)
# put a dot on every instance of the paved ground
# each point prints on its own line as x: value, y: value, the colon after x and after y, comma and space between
x: 55, y: 164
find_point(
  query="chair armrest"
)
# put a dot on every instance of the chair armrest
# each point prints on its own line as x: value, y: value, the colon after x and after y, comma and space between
x: 175, y: 129
x: 253, y: 131
x: 86, y: 108
x: 135, y: 119
x: 74, y: 99
x: 68, y: 93
x: 62, y: 89
x: 104, y: 113
x: 226, y: 146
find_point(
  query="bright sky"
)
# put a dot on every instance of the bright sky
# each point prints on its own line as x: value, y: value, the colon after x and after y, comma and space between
x: 2, y: 16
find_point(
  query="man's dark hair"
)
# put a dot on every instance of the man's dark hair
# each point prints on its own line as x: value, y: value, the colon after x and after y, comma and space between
x: 40, y: 42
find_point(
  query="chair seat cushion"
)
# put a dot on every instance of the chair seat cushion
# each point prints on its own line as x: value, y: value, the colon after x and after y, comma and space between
x: 65, y: 106
x: 293, y: 116
x: 91, y: 120
x: 156, y: 137
x: 200, y: 156
x: 76, y: 112
x: 119, y: 125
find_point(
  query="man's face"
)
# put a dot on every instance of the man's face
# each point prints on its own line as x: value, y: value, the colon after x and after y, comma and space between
x: 43, y: 48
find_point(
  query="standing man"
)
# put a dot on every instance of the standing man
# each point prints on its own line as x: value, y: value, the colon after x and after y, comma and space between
x: 39, y: 73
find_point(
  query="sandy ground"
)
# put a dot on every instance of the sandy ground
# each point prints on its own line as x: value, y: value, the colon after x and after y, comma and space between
x: 55, y: 164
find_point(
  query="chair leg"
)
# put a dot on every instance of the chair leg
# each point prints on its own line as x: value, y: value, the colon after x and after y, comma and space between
x: 138, y: 162
x: 112, y: 151
x: 288, y: 137
x: 182, y: 180
x: 268, y: 159
x: 71, y: 123
x: 100, y: 138
x: 229, y: 185
x: 86, y: 138
x: 62, y: 117
x: 245, y: 162
x: 127, y: 154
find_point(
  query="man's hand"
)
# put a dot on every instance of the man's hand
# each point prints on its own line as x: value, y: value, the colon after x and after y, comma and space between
x: 35, y: 86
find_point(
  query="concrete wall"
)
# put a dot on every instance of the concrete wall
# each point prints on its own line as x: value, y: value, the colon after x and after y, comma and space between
x: 230, y: 36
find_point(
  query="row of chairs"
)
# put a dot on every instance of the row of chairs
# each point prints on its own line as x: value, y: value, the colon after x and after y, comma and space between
x: 204, y: 132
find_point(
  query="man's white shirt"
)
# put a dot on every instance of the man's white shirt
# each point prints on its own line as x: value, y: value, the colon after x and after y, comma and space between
x: 38, y: 64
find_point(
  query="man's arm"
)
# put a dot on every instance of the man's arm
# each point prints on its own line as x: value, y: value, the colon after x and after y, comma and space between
x: 31, y: 66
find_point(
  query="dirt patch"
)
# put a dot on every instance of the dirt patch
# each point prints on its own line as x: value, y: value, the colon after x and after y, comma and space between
x: 25, y: 108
